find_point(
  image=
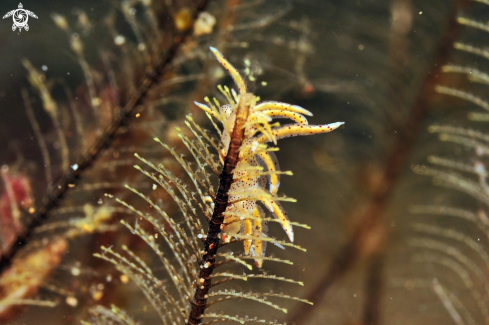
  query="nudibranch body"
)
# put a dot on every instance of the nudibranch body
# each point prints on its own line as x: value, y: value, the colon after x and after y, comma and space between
x: 257, y: 174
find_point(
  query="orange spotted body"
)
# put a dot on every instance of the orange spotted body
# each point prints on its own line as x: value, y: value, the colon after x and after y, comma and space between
x: 257, y: 174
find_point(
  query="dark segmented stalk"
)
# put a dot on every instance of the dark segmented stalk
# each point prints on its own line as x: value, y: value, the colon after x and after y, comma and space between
x: 211, y: 244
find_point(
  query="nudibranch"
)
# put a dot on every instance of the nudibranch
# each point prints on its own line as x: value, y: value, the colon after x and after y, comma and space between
x: 257, y: 174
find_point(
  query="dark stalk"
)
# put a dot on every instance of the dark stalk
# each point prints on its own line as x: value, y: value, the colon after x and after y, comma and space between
x: 104, y: 141
x: 369, y: 235
x: 373, y: 290
x: 208, y: 262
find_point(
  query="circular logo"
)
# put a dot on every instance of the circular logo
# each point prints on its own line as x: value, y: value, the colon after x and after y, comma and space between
x: 20, y: 18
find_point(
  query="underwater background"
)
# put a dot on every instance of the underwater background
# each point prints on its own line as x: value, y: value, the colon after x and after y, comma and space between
x: 396, y: 198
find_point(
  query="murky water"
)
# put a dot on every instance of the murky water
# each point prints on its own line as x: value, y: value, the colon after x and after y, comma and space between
x: 386, y: 245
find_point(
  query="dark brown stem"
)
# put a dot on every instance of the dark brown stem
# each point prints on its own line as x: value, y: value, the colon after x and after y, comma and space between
x: 373, y: 291
x: 211, y: 244
x: 368, y: 237
x: 61, y: 186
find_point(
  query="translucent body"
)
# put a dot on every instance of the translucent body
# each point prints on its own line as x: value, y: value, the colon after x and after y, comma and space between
x: 256, y: 178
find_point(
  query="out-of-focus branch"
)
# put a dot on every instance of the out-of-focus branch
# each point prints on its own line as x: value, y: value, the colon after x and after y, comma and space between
x: 369, y: 235
x: 62, y: 185
x: 373, y: 290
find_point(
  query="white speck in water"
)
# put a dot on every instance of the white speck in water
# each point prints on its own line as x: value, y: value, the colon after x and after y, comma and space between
x: 44, y: 68
x: 75, y: 271
x: 100, y: 201
x: 119, y: 40
x: 74, y: 167
x: 71, y: 301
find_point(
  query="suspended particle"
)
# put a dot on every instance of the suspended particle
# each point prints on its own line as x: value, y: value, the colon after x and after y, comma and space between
x: 124, y: 278
x: 183, y: 19
x: 71, y: 301
x: 97, y: 295
x: 75, y: 271
x: 204, y: 24
x: 119, y: 40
